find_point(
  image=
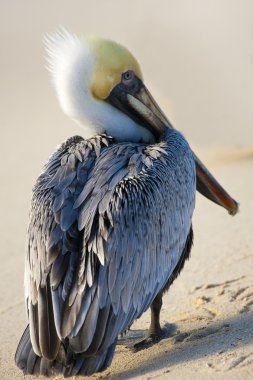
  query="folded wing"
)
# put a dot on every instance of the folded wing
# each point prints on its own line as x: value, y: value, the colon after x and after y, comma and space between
x: 108, y: 225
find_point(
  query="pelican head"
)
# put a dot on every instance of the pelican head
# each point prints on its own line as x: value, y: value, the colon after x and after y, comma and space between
x: 100, y: 85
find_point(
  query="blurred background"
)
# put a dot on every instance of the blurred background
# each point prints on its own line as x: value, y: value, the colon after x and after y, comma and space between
x: 196, y: 57
x: 197, y: 61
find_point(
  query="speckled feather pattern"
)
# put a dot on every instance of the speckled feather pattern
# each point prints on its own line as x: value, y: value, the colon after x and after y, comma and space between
x: 108, y: 224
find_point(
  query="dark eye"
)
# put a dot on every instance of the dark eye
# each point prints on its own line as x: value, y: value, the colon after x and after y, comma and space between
x: 127, y: 76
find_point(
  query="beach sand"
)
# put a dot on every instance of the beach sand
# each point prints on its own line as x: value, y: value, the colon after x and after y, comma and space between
x: 207, y: 314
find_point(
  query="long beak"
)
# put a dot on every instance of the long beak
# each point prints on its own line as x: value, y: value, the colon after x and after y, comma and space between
x: 138, y: 103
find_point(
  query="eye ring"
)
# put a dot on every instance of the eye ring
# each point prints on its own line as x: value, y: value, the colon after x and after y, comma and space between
x: 127, y: 76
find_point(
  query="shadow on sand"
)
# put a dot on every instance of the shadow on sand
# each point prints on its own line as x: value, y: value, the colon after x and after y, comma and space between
x: 217, y: 337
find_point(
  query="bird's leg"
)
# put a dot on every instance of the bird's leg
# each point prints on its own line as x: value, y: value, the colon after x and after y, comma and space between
x: 155, y: 328
x: 154, y: 332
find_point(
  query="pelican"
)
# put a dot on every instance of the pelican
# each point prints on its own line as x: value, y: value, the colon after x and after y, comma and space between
x: 111, y: 216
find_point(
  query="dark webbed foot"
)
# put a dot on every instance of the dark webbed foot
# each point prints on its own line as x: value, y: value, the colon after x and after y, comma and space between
x: 155, y: 332
x: 152, y: 338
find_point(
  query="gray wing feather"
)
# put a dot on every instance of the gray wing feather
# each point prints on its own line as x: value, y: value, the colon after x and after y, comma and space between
x: 108, y: 225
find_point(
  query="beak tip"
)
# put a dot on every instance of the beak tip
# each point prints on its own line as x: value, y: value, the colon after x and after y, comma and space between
x: 233, y: 211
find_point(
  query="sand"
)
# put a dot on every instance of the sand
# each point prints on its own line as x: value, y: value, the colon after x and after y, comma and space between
x: 202, y: 77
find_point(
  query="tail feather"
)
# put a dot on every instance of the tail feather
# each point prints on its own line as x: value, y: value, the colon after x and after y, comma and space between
x: 31, y: 361
x: 23, y: 350
x: 64, y: 364
x: 97, y: 363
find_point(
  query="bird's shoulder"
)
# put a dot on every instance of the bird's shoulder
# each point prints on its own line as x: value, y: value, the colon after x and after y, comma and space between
x: 85, y: 177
